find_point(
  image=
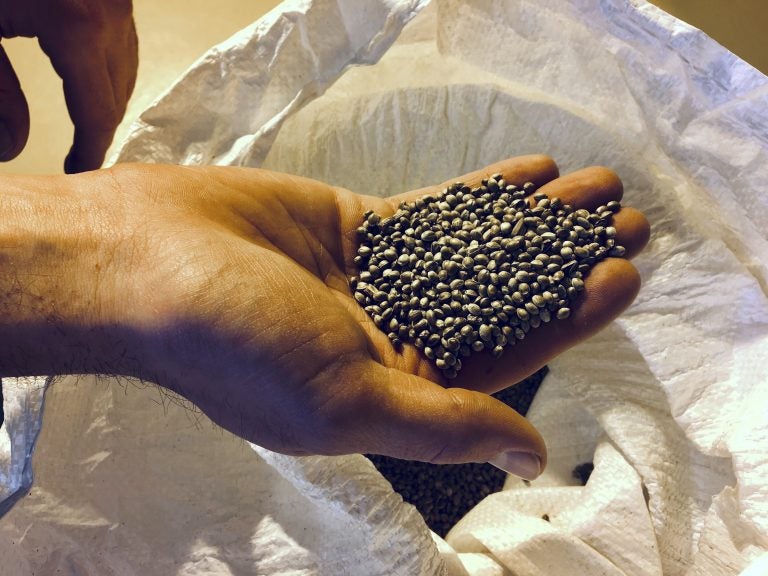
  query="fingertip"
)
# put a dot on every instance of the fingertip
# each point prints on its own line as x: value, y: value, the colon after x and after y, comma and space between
x: 633, y: 231
x: 548, y: 167
x: 86, y: 154
x: 7, y: 143
x: 609, y: 289
x: 608, y: 180
x: 633, y: 281
x: 543, y: 167
x: 74, y: 164
x: 69, y: 167
x: 525, y: 465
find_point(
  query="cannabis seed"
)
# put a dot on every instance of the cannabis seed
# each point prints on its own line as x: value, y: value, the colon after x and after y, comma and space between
x: 474, y: 269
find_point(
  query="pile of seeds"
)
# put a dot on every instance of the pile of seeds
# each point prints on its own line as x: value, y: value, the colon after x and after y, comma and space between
x: 475, y: 269
x: 444, y: 493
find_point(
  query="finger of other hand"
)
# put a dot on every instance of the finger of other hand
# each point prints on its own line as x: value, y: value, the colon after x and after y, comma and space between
x: 94, y: 106
x: 14, y: 111
x: 123, y: 63
x: 95, y: 112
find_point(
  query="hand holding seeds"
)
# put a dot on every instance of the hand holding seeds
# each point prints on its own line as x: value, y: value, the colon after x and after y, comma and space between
x: 475, y: 269
x: 232, y: 288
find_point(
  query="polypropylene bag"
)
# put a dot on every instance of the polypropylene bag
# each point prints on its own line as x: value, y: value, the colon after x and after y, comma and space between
x: 670, y: 401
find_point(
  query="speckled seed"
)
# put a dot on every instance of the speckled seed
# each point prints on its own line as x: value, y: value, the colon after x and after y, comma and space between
x: 468, y: 270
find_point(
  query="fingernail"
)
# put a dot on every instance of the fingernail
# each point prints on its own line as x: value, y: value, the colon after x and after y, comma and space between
x: 523, y: 464
x: 6, y: 141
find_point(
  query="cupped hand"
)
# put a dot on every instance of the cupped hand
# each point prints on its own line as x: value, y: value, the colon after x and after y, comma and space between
x: 92, y: 46
x: 238, y: 295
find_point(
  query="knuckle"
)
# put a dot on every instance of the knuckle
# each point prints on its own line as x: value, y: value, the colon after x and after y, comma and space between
x: 546, y: 161
x: 450, y: 446
x: 458, y: 403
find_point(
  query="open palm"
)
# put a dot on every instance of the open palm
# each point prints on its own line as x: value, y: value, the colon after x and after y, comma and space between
x: 243, y: 305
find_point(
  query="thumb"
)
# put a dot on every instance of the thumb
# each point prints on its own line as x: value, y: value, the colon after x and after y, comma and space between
x: 14, y: 112
x: 415, y: 419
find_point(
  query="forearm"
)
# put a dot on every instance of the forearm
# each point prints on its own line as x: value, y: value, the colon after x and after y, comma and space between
x: 55, y: 242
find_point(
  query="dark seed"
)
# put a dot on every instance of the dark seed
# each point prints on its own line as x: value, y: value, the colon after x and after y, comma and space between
x: 474, y: 269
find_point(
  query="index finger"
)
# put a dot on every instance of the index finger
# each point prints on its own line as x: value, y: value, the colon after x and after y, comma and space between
x: 536, y: 168
x: 93, y: 106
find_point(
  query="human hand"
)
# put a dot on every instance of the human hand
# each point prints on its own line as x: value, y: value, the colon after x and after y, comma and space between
x: 229, y: 287
x: 252, y: 320
x: 93, y: 47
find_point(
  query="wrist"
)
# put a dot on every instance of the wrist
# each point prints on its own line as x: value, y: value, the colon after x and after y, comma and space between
x: 59, y: 309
